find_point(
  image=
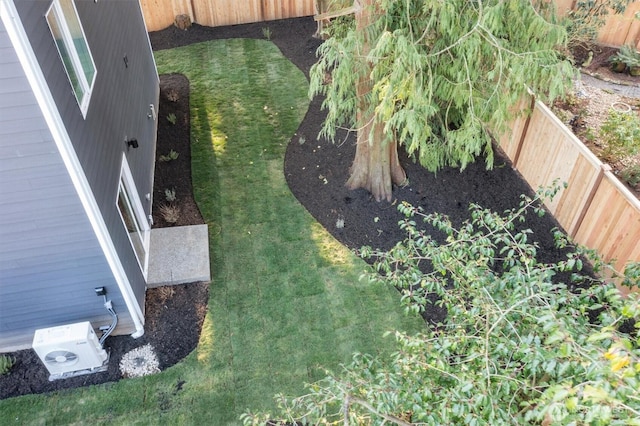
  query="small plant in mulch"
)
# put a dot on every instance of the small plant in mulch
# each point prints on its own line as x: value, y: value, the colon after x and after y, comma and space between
x: 173, y: 95
x: 172, y: 155
x: 170, y: 213
x: 170, y: 195
x: 266, y: 33
x: 6, y: 362
x: 171, y: 118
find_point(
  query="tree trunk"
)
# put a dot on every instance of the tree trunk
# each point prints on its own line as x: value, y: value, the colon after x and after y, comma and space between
x: 376, y: 166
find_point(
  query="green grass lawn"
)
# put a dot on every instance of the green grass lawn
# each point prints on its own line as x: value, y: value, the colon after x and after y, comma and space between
x: 285, y: 299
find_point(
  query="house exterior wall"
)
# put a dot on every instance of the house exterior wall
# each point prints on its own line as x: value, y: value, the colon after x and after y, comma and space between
x: 55, y: 261
x: 50, y: 259
x: 118, y: 109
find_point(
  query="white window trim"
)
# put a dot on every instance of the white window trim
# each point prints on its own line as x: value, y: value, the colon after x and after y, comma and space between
x: 135, y: 205
x: 87, y: 86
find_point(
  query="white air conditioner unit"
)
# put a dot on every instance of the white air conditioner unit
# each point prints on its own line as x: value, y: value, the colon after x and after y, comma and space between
x: 69, y: 348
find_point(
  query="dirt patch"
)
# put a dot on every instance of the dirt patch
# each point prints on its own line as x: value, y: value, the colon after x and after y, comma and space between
x: 173, y: 202
x: 594, y: 60
x: 589, y: 106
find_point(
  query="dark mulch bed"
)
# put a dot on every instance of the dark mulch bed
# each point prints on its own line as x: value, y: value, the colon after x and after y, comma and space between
x: 599, y: 63
x: 174, y: 320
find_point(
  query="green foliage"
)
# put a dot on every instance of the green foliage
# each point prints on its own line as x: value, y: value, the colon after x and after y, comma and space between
x: 170, y: 194
x: 524, y: 342
x: 627, y: 55
x: 171, y: 118
x: 631, y: 174
x: 587, y: 17
x: 172, y: 155
x: 266, y: 33
x: 6, y: 362
x: 442, y: 73
x: 620, y: 134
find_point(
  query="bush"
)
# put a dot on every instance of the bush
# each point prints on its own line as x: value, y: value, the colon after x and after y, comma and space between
x: 620, y: 134
x: 628, y: 56
x: 519, y: 344
x: 631, y: 174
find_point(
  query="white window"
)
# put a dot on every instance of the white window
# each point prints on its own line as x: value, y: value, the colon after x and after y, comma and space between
x: 133, y: 216
x: 73, y: 48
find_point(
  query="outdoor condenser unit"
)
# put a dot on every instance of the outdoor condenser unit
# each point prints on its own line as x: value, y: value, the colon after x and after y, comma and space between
x: 72, y: 348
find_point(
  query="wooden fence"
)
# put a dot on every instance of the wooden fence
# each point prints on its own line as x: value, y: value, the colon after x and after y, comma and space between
x: 160, y: 14
x: 595, y: 209
x: 618, y: 29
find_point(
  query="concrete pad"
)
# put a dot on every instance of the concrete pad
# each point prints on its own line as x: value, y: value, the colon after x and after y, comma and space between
x: 179, y: 255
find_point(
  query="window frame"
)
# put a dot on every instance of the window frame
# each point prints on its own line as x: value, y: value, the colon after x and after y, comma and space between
x: 137, y: 216
x: 57, y: 13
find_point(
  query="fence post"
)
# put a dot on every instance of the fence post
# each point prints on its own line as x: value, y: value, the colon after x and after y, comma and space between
x: 523, y: 134
x: 588, y: 200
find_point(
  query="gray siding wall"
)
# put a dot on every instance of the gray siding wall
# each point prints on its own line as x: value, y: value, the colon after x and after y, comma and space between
x: 50, y: 259
x: 118, y: 109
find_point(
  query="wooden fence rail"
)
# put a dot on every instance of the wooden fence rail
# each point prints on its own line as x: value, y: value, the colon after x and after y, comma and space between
x: 160, y: 14
x: 595, y: 209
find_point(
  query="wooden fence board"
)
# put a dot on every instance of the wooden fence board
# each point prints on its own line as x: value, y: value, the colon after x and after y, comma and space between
x: 622, y: 29
x: 596, y: 209
x: 612, y: 224
x: 510, y: 142
x: 159, y: 14
x: 227, y: 12
x: 573, y: 200
x: 546, y: 141
x: 564, y: 6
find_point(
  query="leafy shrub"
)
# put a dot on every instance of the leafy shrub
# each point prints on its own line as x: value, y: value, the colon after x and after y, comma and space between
x: 627, y: 55
x: 631, y: 174
x: 523, y: 342
x: 171, y: 118
x: 621, y: 135
x: 6, y: 362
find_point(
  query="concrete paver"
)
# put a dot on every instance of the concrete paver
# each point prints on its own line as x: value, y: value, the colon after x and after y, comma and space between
x: 179, y: 255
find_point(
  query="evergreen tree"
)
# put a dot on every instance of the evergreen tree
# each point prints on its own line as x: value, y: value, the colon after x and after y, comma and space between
x: 434, y: 76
